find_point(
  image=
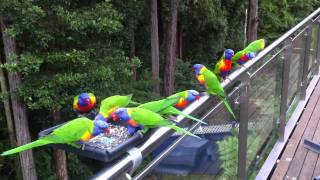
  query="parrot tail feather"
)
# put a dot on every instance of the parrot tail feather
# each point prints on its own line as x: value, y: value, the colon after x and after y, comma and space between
x: 226, y: 104
x: 179, y: 129
x: 177, y: 112
x: 134, y: 103
x: 31, y: 145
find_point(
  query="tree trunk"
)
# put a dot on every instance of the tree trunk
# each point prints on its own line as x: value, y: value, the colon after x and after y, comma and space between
x: 169, y: 75
x: 18, y: 109
x: 154, y: 44
x: 60, y: 157
x: 7, y: 109
x: 132, y: 53
x: 179, y: 40
x: 252, y: 21
x: 9, y: 119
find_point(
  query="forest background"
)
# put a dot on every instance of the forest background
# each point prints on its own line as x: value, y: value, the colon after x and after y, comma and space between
x: 52, y: 50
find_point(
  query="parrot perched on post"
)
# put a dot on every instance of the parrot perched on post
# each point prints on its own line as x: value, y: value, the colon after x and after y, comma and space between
x: 165, y: 107
x: 185, y: 98
x: 249, y: 52
x: 143, y: 119
x: 75, y: 131
x: 110, y: 104
x: 212, y: 84
x: 84, y: 103
x: 224, y: 65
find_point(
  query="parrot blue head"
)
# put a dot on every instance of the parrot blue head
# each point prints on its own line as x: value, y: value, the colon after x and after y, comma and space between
x: 83, y: 99
x: 192, y: 95
x: 197, y: 68
x: 122, y: 114
x: 250, y: 55
x: 100, y: 127
x: 229, y: 53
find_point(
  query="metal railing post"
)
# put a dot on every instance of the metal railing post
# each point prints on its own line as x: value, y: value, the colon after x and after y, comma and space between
x: 286, y: 60
x: 316, y: 70
x: 243, y: 127
x: 306, y: 59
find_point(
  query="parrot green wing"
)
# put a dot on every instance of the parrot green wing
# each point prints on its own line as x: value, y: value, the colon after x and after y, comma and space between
x: 212, y: 83
x: 114, y: 101
x: 67, y: 133
x: 256, y: 46
x: 148, y: 118
x: 73, y: 130
x: 160, y: 105
x: 214, y: 87
x: 237, y: 56
x: 182, y: 94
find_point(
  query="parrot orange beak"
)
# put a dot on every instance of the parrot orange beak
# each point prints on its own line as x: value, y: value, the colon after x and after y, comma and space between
x: 107, y: 131
x: 197, y: 97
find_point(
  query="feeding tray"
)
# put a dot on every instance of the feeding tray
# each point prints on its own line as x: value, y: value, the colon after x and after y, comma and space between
x: 103, y: 147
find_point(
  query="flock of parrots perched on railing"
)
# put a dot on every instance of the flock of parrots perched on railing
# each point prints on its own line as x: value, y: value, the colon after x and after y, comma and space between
x: 148, y: 115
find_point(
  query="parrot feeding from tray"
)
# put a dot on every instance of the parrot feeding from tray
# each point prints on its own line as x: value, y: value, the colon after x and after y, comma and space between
x: 110, y: 104
x: 143, y: 119
x: 186, y: 98
x: 84, y: 103
x: 224, y: 65
x: 73, y: 132
x: 212, y: 84
x: 165, y: 107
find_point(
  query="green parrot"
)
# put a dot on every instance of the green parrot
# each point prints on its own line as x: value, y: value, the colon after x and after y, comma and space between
x: 110, y: 104
x: 165, y: 107
x: 139, y: 118
x: 256, y: 46
x: 212, y: 84
x: 75, y: 131
x: 249, y: 52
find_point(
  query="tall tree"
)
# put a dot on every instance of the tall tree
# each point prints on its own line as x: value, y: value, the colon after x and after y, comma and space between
x: 154, y: 44
x: 252, y: 30
x: 171, y: 56
x: 132, y: 51
x: 18, y: 107
x: 60, y: 155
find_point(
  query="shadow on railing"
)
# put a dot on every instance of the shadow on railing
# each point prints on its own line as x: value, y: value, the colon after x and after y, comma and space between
x: 264, y: 93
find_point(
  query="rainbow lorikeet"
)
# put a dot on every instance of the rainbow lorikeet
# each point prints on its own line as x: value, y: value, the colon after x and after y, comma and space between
x: 110, y: 104
x: 212, y: 84
x: 139, y: 118
x: 165, y: 107
x: 73, y: 132
x: 84, y: 103
x: 185, y: 98
x: 249, y: 52
x: 224, y: 65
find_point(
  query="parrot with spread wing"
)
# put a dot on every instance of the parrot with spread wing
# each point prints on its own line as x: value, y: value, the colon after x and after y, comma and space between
x: 73, y: 132
x: 165, y: 107
x: 110, y: 104
x: 84, y: 103
x: 212, y: 84
x: 185, y: 98
x: 224, y: 65
x: 143, y: 119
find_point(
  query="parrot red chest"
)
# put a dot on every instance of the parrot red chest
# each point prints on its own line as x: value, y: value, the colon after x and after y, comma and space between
x: 182, y: 103
x: 84, y: 109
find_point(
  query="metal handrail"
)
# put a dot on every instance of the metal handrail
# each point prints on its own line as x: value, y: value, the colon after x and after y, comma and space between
x: 126, y: 164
